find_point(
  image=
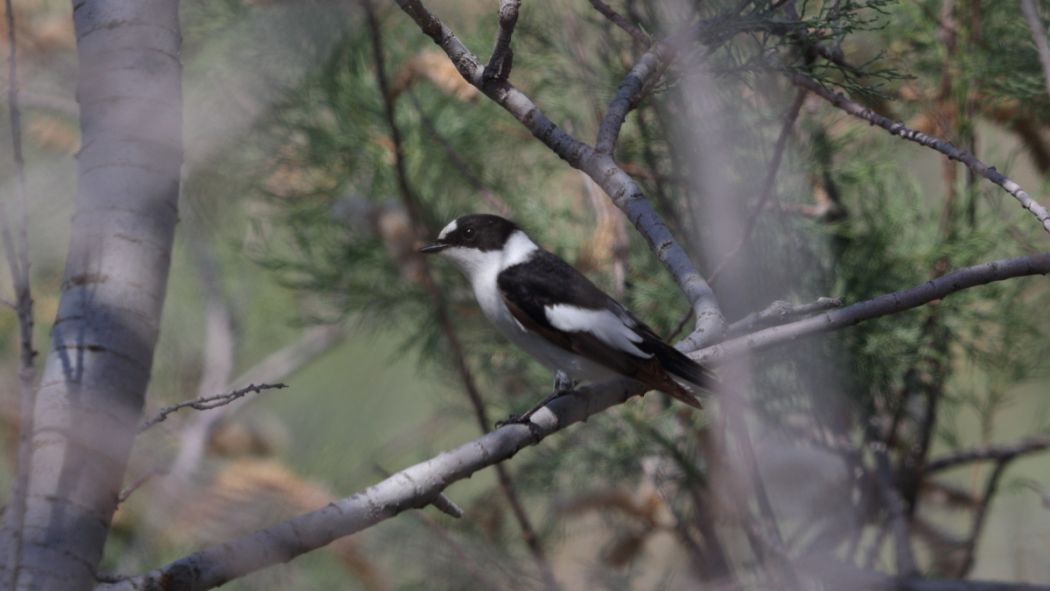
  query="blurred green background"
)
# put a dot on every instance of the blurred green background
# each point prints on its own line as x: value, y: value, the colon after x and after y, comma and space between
x: 291, y: 219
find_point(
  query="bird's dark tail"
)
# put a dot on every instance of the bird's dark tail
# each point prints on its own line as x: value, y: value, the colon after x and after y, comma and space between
x: 677, y: 365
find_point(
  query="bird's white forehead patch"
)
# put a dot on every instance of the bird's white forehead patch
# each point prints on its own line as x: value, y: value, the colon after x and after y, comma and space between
x: 603, y: 324
x: 450, y: 228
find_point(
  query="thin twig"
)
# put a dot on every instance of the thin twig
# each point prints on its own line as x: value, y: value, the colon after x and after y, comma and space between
x: 274, y: 367
x: 502, y: 59
x: 943, y: 146
x: 780, y: 312
x: 209, y: 402
x: 23, y: 305
x: 988, y: 453
x: 134, y: 486
x: 1038, y: 29
x: 620, y: 21
x: 415, y: 209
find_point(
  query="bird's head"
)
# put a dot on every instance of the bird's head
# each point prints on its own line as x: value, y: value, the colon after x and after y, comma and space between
x: 478, y: 242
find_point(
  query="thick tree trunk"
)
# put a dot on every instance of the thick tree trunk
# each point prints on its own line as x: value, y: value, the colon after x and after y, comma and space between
x: 92, y: 390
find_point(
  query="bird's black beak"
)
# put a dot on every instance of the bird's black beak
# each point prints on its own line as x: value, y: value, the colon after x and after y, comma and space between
x: 432, y: 248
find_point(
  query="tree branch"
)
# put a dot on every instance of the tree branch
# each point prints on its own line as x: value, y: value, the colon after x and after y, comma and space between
x: 780, y: 312
x: 502, y: 59
x: 649, y: 68
x: 988, y: 453
x: 891, y: 303
x: 620, y: 21
x: 414, y: 487
x: 209, y: 402
x: 275, y: 367
x: 944, y: 147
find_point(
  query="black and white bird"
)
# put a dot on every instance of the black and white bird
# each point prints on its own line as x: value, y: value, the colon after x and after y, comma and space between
x: 549, y: 309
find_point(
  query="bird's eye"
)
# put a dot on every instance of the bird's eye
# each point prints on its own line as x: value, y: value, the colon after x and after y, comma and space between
x: 469, y: 234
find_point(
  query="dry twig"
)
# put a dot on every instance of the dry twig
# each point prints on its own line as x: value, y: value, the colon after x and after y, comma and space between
x: 620, y: 21
x: 209, y: 402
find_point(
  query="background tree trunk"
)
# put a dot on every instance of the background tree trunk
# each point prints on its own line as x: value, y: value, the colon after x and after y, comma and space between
x: 93, y: 387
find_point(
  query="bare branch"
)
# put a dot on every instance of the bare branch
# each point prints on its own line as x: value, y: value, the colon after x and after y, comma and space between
x: 502, y: 59
x: 635, y: 85
x: 620, y: 21
x: 780, y: 312
x: 412, y: 488
x: 935, y: 289
x: 275, y: 367
x: 209, y: 402
x: 128, y: 490
x: 988, y: 453
x: 943, y: 146
x: 441, y: 502
x: 1035, y: 24
x: 602, y: 168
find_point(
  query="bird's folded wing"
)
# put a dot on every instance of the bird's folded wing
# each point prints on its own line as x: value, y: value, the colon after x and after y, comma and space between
x: 553, y: 299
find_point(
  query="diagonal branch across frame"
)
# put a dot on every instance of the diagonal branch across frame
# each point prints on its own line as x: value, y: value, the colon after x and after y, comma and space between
x: 419, y: 485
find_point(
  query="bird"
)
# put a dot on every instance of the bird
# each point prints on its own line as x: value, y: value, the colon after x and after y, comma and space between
x: 558, y: 316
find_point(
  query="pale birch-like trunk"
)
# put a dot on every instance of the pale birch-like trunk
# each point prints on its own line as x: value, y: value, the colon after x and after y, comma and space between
x: 92, y: 390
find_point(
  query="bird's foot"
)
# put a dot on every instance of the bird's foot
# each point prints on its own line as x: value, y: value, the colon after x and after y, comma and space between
x: 525, y: 418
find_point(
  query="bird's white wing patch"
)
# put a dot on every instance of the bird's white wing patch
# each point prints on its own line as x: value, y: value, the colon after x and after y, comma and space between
x: 603, y: 324
x: 451, y: 227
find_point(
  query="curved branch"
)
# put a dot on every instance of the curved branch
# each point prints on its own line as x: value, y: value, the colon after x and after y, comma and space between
x: 620, y: 21
x: 943, y: 146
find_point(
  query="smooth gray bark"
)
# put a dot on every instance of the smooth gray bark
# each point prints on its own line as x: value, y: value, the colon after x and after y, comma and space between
x: 94, y: 382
